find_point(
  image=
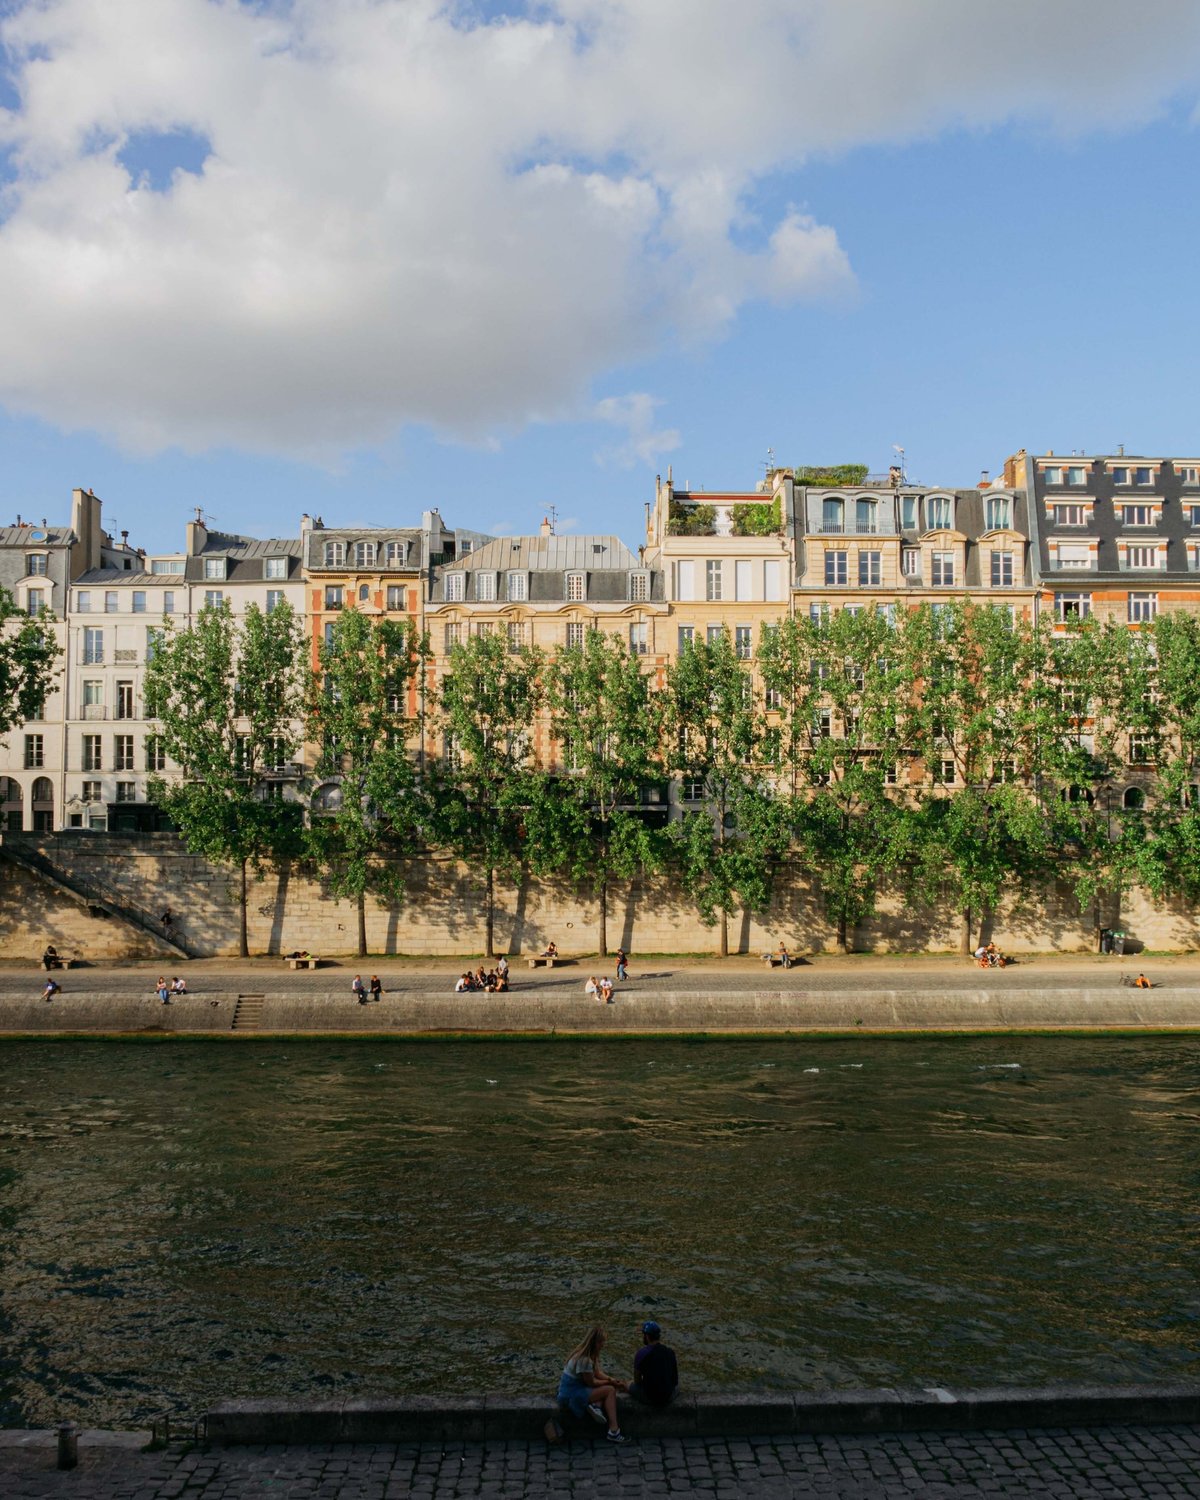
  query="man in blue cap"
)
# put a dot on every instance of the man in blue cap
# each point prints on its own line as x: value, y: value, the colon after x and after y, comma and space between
x: 655, y: 1369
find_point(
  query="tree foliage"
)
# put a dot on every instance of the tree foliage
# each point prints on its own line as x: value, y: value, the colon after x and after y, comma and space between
x: 227, y: 699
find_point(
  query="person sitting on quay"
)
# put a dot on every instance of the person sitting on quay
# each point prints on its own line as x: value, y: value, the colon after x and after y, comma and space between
x: 655, y: 1369
x: 163, y: 990
x: 50, y: 959
x: 178, y: 986
x: 549, y: 951
x: 463, y: 985
x: 592, y: 988
x: 782, y: 956
x: 359, y: 989
x: 481, y: 978
x: 376, y: 987
x: 1142, y: 983
x: 606, y: 991
x: 585, y: 1390
x: 52, y: 988
x: 502, y: 970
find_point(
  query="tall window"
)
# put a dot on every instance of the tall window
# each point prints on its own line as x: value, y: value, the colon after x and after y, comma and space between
x: 865, y: 517
x: 454, y: 587
x: 687, y: 634
x: 126, y: 791
x: 111, y: 601
x: 639, y: 587
x: 997, y: 513
x: 93, y: 647
x: 122, y: 752
x: 156, y: 756
x: 1002, y: 570
x: 942, y: 570
x: 516, y: 635
x: 35, y: 564
x: 83, y: 601
x: 910, y: 562
x: 743, y: 642
x: 139, y: 601
x: 93, y: 758
x: 274, y: 599
x: 335, y: 554
x: 91, y: 791
x: 395, y: 596
x: 451, y: 637
x: 908, y: 513
x: 639, y: 641
x: 835, y: 567
x: 213, y: 598
x: 485, y: 587
x: 870, y: 568
x: 818, y: 615
x: 713, y: 579
x: 517, y: 586
x: 937, y: 512
x: 168, y: 601
x: 93, y: 696
x: 333, y: 596
x: 125, y: 700
x: 832, y: 513
x: 34, y: 600
x: 575, y: 634
x: 575, y: 587
x: 35, y: 751
x: 1142, y: 608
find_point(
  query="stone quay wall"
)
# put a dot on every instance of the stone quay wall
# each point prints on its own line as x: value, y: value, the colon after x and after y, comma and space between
x: 444, y: 912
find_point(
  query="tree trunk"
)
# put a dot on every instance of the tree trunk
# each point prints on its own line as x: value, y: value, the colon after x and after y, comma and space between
x: 724, y: 949
x: 362, y: 924
x: 604, y: 917
x: 843, y: 938
x: 964, y: 933
x: 489, y: 947
x: 244, y: 941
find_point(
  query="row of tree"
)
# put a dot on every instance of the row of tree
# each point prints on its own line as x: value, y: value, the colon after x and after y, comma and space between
x: 966, y: 753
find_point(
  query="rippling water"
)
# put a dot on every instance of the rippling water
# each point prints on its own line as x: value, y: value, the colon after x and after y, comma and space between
x: 183, y: 1222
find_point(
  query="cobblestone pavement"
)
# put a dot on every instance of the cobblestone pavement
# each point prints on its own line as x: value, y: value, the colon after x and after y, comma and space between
x: 1130, y: 1462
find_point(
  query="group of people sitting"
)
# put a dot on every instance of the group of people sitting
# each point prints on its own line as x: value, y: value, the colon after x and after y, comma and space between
x: 988, y: 956
x: 585, y: 1390
x: 164, y: 991
x: 600, y: 989
x: 489, y: 981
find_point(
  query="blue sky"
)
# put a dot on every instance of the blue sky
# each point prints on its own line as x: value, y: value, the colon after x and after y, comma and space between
x: 996, y: 284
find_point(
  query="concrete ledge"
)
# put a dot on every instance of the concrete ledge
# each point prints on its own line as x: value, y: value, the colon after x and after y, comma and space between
x: 415, y: 1419
x: 76, y: 1012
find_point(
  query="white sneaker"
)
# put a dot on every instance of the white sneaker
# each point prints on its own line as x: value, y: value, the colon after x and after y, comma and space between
x: 616, y: 1437
x: 597, y: 1415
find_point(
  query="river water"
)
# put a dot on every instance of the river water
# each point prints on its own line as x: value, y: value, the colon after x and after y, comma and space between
x: 181, y: 1222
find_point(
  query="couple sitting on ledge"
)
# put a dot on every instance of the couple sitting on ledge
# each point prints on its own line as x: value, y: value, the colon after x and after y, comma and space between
x: 988, y: 956
x: 586, y: 1391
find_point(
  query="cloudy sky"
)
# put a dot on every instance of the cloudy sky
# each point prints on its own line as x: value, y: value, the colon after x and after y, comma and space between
x: 359, y: 257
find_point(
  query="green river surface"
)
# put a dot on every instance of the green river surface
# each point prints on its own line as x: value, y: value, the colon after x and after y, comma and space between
x: 183, y: 1222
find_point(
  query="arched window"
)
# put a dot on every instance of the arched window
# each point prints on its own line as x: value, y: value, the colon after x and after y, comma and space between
x: 832, y: 513
x: 937, y: 513
x: 327, y: 798
x: 864, y: 517
x: 43, y: 790
x: 997, y: 513
x: 1078, y: 794
x: 364, y: 592
x: 1134, y: 799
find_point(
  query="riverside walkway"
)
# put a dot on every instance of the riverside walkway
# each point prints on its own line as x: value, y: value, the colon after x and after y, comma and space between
x: 1142, y: 1463
x: 663, y: 994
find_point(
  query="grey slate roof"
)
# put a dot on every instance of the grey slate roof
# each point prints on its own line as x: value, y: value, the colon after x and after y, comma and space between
x: 110, y: 577
x: 246, y: 555
x: 568, y: 554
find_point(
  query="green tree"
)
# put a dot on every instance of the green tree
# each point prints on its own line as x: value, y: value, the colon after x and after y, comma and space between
x: 728, y: 849
x: 28, y: 663
x: 987, y: 722
x: 363, y: 714
x: 227, y: 697
x: 604, y: 720
x: 850, y: 739
x: 831, y: 476
x: 480, y: 794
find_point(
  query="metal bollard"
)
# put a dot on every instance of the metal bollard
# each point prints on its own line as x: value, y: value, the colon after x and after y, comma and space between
x: 68, y: 1445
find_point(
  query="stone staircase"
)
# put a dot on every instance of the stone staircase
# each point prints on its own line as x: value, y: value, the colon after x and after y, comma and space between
x: 86, y: 894
x: 247, y: 1014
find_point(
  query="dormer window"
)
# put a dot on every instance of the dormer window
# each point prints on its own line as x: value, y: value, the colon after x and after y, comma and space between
x: 397, y: 553
x: 1143, y: 476
x: 832, y: 517
x: 214, y: 567
x: 275, y: 567
x: 36, y: 564
x: 864, y: 517
x: 576, y: 587
x: 1053, y: 475
x: 485, y: 587
x: 937, y: 513
x: 455, y: 587
x: 639, y: 587
x: 997, y: 513
x: 335, y: 554
x: 908, y: 513
x: 364, y: 554
x: 517, y: 586
x: 1077, y: 475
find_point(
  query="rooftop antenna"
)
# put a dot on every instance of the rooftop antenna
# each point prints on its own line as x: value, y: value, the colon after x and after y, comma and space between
x: 897, y: 449
x: 553, y: 513
x: 770, y: 462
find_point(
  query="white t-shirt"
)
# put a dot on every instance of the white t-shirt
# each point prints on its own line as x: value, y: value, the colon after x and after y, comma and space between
x: 590, y: 987
x: 578, y: 1366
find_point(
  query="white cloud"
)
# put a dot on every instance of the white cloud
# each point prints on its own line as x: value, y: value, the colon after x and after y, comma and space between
x: 644, y: 443
x: 412, y: 214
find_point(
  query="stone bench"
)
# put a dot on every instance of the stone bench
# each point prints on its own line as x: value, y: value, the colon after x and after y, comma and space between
x: 540, y: 959
x: 304, y: 963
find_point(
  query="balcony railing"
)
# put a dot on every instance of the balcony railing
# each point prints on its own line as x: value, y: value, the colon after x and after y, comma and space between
x: 860, y: 528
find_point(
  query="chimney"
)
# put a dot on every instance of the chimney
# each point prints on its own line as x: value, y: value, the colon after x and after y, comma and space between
x: 197, y: 534
x: 984, y: 480
x: 431, y: 524
x: 546, y: 528
x: 1121, y: 450
x: 85, y: 523
x: 306, y: 524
